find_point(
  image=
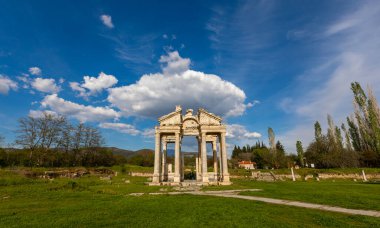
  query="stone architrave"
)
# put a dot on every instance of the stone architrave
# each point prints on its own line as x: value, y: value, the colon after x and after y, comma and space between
x: 207, y: 128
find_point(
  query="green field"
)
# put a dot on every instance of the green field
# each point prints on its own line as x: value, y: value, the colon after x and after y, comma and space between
x: 92, y: 202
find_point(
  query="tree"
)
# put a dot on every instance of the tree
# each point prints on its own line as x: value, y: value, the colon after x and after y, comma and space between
x: 353, y: 130
x: 45, y: 137
x: 367, y: 115
x: 317, y: 131
x: 2, y: 139
x: 347, y: 137
x: 272, y: 139
x: 300, y: 153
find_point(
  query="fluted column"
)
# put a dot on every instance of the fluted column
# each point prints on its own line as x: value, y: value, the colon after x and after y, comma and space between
x: 156, y: 173
x: 177, y: 159
x: 199, y: 160
x: 164, y: 164
x: 215, y: 157
x: 204, y: 159
x: 226, y: 175
x: 220, y: 161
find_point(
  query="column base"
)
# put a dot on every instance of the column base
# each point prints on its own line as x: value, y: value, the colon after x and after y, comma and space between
x: 156, y: 178
x: 205, y: 179
x: 226, y: 177
x: 177, y: 179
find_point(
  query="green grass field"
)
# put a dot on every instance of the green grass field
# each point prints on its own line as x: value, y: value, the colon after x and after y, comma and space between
x: 91, y: 202
x: 343, y: 193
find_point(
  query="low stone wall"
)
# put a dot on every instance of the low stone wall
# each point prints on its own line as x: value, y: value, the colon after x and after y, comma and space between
x: 269, y: 176
x: 69, y: 173
x: 137, y: 174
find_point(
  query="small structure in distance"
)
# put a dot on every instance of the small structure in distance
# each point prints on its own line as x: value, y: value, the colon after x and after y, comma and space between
x: 247, y: 164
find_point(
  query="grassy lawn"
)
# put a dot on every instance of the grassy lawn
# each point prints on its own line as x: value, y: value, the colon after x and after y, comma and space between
x: 92, y: 202
x: 343, y: 193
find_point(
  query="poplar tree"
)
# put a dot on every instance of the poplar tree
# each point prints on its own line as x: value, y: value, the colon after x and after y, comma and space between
x: 300, y: 153
x: 317, y: 131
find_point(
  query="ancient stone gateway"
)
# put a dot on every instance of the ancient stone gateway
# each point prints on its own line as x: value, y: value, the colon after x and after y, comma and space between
x: 207, y: 128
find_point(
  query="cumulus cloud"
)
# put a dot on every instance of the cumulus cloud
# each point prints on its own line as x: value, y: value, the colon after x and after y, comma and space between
x: 46, y: 85
x: 103, y: 81
x: 40, y: 113
x: 75, y: 86
x: 239, y: 132
x: 35, y: 71
x: 149, y: 133
x: 175, y: 64
x: 121, y: 127
x: 93, y: 85
x: 78, y: 111
x: 157, y: 94
x: 7, y: 84
x: 107, y: 20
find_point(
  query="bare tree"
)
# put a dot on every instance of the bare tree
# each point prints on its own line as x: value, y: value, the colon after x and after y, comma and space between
x: 27, y: 132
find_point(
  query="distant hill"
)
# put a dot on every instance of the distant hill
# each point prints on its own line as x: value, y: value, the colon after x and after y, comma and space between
x: 118, y: 151
x: 129, y: 153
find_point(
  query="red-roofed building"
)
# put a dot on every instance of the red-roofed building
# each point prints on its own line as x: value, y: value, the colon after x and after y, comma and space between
x: 247, y: 164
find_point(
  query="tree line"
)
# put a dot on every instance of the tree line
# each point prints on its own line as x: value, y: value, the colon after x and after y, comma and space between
x: 52, y: 141
x: 354, y: 144
x: 272, y: 156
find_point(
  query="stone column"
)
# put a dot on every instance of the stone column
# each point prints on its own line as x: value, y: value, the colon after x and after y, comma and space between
x: 215, y: 157
x: 199, y: 159
x: 226, y: 175
x: 196, y: 168
x: 204, y: 159
x: 156, y: 173
x: 220, y: 161
x: 177, y: 159
x: 164, y: 164
x: 182, y: 167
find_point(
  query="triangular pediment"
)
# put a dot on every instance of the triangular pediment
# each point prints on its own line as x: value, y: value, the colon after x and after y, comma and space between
x: 207, y: 118
x: 173, y: 118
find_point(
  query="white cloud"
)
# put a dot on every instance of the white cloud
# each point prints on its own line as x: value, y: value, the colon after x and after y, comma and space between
x: 7, y: 84
x: 175, y: 64
x: 78, y: 111
x: 39, y: 113
x: 341, y: 26
x: 75, y: 86
x: 103, y: 81
x: 149, y: 132
x: 239, y: 132
x: 326, y: 88
x: 94, y: 84
x: 107, y: 20
x: 157, y: 94
x: 46, y: 85
x: 121, y: 127
x: 35, y: 71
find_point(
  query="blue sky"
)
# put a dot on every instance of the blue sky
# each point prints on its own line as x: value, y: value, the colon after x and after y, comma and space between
x: 119, y: 65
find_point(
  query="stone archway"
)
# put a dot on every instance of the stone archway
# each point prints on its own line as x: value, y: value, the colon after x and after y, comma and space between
x: 207, y: 128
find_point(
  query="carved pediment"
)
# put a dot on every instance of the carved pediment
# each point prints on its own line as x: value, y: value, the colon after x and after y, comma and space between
x: 190, y: 126
x: 206, y: 118
x: 188, y: 121
x: 173, y: 118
